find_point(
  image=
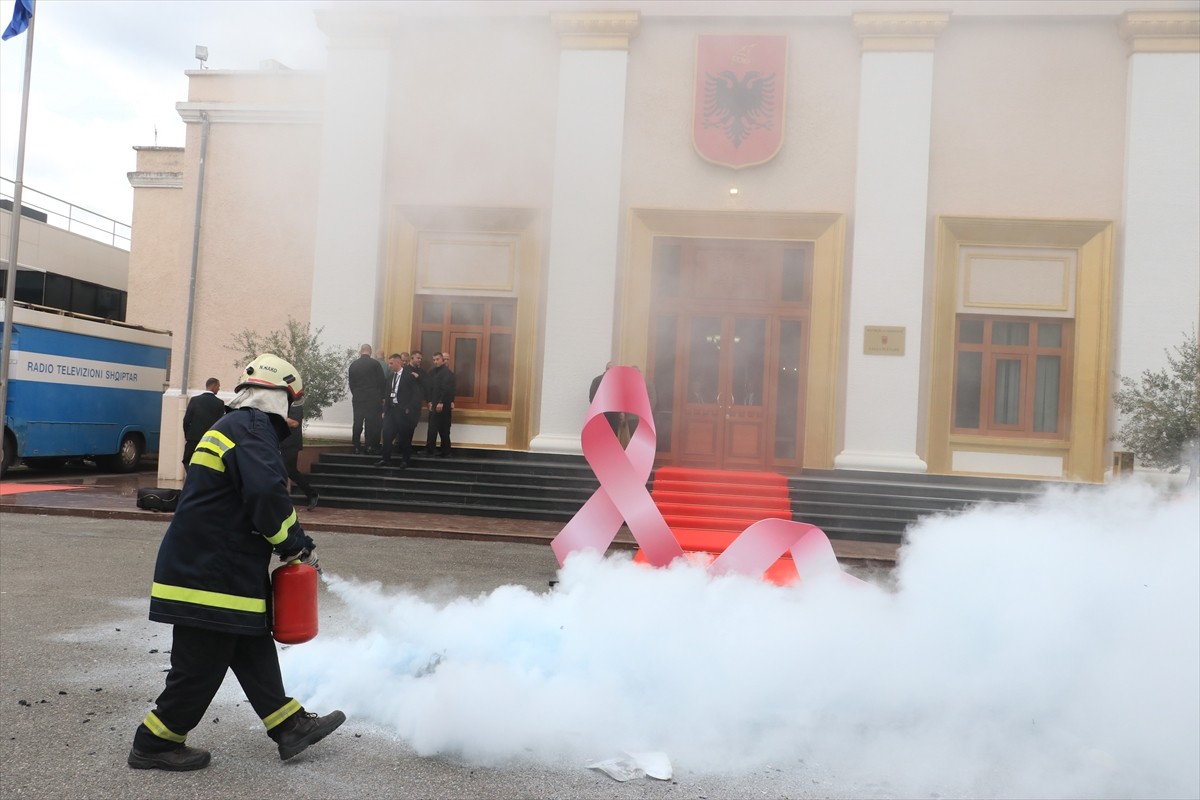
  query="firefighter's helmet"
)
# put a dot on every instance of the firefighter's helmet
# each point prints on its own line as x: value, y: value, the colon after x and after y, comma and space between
x: 269, y: 371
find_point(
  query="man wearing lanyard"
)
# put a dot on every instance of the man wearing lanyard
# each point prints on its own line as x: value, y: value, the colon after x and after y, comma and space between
x: 402, y: 409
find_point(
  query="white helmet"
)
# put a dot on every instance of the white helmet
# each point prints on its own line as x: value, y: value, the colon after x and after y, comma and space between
x: 269, y: 371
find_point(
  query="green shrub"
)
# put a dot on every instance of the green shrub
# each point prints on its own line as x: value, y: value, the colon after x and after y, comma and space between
x: 1161, y: 412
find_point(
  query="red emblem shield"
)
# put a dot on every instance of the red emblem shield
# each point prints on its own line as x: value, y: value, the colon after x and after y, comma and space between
x: 741, y: 86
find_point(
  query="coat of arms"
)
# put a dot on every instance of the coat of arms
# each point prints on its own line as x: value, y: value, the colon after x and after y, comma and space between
x: 741, y: 85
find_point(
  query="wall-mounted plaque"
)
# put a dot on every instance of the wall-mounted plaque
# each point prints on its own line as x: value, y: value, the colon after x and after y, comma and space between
x: 880, y: 340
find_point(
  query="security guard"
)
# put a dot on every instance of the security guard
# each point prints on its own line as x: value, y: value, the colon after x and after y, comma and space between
x: 211, y: 580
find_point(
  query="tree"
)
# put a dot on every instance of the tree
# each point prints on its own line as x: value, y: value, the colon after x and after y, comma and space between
x: 1162, y: 412
x: 322, y: 367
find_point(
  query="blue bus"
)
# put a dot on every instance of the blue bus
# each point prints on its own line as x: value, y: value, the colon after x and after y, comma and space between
x: 82, y: 388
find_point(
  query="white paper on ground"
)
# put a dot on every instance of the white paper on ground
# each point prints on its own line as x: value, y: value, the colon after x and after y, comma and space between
x: 619, y: 769
x: 655, y: 764
x: 635, y: 765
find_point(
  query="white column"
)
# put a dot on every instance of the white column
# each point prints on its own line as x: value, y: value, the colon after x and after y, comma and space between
x: 170, y: 440
x: 585, y: 219
x: 887, y: 276
x: 1160, y: 287
x: 346, y: 289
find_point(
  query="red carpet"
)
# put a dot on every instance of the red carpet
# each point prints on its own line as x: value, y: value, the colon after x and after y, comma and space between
x: 20, y: 488
x: 707, y: 509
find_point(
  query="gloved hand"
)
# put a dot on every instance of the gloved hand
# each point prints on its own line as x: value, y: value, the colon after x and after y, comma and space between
x: 304, y: 555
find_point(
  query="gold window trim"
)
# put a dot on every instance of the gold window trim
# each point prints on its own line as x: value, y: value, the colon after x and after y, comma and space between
x: 406, y: 224
x: 826, y: 233
x: 1092, y: 241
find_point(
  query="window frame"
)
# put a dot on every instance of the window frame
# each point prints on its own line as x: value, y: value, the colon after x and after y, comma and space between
x: 1027, y: 355
x: 451, y: 333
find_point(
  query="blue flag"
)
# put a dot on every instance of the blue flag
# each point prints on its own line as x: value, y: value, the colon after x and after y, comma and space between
x: 22, y: 13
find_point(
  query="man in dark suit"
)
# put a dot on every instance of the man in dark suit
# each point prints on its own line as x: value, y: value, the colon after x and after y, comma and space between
x: 290, y: 447
x: 615, y: 418
x: 441, y: 400
x: 402, y: 409
x: 202, y: 411
x: 368, y: 385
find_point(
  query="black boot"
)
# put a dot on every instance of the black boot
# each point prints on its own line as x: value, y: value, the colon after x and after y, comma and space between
x: 181, y: 759
x: 301, y: 729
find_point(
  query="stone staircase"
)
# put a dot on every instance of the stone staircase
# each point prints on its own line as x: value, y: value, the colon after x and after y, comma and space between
x: 879, y: 506
x: 489, y: 483
x: 853, y: 505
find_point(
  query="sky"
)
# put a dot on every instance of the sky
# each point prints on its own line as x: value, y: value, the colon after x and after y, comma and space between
x: 106, y: 75
x: 1040, y: 650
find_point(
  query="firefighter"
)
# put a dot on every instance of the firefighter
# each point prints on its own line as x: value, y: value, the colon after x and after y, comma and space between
x: 211, y: 579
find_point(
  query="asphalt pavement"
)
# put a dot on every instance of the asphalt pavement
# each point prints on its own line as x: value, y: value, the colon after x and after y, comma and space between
x: 80, y: 665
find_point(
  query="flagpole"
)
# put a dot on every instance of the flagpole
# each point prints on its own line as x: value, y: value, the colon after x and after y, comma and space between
x: 14, y: 234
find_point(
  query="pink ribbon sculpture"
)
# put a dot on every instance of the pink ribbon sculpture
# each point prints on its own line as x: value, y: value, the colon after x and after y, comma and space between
x: 622, y: 473
x: 622, y: 497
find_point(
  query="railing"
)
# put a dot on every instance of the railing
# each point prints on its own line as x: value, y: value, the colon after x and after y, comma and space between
x: 69, y: 216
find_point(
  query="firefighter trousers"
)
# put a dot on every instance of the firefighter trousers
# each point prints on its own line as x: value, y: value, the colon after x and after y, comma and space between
x: 199, y: 660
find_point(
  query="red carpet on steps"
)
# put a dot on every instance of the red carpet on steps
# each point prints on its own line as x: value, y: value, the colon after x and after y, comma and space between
x: 707, y: 509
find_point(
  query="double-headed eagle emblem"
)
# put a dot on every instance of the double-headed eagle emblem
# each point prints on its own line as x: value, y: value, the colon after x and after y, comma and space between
x: 739, y: 106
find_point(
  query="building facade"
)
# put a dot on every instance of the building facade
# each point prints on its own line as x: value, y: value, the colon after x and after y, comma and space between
x: 900, y: 236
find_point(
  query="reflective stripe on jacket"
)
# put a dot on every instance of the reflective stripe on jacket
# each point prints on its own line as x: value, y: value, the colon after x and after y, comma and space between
x: 212, y: 568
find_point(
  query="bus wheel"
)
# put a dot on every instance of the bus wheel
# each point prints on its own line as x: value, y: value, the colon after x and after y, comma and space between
x: 127, y: 458
x: 10, y: 454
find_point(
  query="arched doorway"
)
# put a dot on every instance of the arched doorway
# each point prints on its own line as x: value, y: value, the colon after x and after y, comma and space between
x: 728, y: 351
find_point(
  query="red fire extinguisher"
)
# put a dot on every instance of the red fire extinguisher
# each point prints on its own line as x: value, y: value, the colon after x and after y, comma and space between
x: 294, y: 591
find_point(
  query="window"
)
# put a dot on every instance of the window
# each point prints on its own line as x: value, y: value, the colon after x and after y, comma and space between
x: 479, y: 333
x: 53, y: 290
x: 1012, y: 376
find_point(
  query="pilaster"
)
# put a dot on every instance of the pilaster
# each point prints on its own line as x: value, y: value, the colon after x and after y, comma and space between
x: 350, y: 237
x: 1160, y: 279
x: 585, y: 219
x: 883, y: 392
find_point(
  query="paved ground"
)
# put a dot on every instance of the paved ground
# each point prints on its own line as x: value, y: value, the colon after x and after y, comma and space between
x: 81, y: 665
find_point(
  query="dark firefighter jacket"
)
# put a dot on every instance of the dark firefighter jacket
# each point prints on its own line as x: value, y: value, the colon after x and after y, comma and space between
x: 234, y: 510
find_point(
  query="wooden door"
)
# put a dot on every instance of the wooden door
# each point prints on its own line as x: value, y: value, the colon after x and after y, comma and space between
x: 723, y: 415
x: 729, y: 353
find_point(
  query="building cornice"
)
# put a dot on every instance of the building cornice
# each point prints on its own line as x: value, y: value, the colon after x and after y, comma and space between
x: 251, y: 114
x: 155, y: 180
x: 900, y: 32
x: 1161, y: 31
x: 595, y: 30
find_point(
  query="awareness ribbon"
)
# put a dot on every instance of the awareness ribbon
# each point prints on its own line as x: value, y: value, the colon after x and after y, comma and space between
x: 622, y: 496
x: 760, y: 545
x: 622, y: 473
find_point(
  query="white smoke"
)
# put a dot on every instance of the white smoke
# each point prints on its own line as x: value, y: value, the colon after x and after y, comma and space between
x: 1049, y: 650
